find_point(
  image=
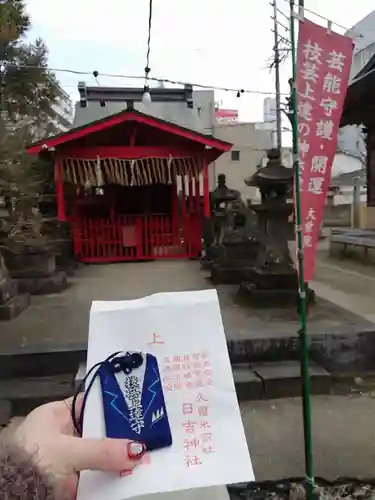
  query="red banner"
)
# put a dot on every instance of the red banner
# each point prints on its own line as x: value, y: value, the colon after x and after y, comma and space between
x: 323, y: 65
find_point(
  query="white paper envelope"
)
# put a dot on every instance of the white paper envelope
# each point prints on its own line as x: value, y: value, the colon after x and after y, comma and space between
x: 184, y: 331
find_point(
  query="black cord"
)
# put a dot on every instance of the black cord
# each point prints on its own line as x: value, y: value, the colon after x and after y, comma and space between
x: 115, y: 363
x: 147, y: 68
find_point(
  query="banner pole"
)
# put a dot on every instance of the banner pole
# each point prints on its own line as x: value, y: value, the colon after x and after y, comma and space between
x: 303, y: 287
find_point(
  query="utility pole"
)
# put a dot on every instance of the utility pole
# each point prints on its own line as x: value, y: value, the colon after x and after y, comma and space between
x: 277, y: 78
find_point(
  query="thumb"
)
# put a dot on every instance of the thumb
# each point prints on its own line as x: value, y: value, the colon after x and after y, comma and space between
x: 111, y: 455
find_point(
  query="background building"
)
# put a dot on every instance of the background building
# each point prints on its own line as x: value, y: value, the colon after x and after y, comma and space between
x: 64, y: 112
x: 351, y: 138
x: 250, y: 145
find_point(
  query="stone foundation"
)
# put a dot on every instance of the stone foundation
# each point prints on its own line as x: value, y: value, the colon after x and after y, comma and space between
x: 55, y: 283
x: 13, y: 307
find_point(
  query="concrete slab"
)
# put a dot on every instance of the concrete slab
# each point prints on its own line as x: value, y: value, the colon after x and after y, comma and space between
x: 24, y: 394
x: 347, y: 284
x: 5, y: 412
x: 283, y: 379
x: 211, y: 493
x: 60, y: 321
x: 248, y: 385
x: 343, y: 434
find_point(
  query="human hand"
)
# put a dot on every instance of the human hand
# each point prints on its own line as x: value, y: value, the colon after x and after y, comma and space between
x: 47, y: 434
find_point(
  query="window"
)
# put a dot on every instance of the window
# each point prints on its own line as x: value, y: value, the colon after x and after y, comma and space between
x: 235, y: 155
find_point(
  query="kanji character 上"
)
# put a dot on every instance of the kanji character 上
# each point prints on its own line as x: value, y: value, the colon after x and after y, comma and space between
x: 331, y: 83
x: 319, y: 164
x: 316, y: 185
x: 328, y: 105
x: 187, y: 408
x: 157, y: 339
x: 309, y: 71
x: 312, y: 52
x: 304, y: 111
x: 336, y: 60
x: 308, y: 94
x: 324, y: 129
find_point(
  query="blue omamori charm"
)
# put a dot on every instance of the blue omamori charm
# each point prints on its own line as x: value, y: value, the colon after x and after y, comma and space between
x: 133, y: 400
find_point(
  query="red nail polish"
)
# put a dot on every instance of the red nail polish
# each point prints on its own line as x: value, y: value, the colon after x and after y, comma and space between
x: 127, y: 472
x: 136, y: 450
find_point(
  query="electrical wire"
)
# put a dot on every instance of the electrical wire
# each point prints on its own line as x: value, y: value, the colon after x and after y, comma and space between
x: 349, y: 30
x: 159, y: 80
x: 147, y: 69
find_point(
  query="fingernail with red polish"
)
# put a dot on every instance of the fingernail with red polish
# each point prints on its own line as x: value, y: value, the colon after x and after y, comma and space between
x: 127, y: 472
x: 135, y: 450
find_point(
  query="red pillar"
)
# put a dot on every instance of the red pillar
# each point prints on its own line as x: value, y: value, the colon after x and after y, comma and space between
x: 61, y: 215
x: 206, y: 190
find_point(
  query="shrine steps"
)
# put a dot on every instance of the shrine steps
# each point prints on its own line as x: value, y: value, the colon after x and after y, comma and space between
x: 255, y: 381
x: 272, y: 380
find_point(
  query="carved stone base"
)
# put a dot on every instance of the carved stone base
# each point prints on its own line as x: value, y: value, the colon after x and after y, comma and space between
x: 263, y: 298
x: 14, y: 307
x: 30, y: 265
x: 8, y: 289
x: 42, y: 286
x: 226, y: 275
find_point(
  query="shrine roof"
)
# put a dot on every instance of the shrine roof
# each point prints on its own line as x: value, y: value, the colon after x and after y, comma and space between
x: 173, y: 112
x: 113, y: 114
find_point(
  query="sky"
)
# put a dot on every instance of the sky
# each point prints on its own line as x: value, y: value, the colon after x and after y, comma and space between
x: 222, y: 43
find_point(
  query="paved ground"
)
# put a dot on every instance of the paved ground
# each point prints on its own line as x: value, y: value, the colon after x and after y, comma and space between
x: 343, y: 433
x: 61, y: 320
x: 348, y: 284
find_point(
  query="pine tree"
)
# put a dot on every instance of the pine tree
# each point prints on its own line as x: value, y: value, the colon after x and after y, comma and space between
x: 27, y: 92
x: 28, y: 89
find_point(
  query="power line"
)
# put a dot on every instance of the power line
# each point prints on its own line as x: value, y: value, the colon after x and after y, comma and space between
x: 238, y: 90
x: 149, y: 36
x: 357, y: 35
x: 147, y: 67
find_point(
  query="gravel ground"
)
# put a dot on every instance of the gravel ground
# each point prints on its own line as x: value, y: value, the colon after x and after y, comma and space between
x: 294, y: 490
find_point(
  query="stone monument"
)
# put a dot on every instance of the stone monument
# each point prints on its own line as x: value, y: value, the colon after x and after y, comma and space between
x: 272, y: 281
x: 238, y: 245
x: 11, y: 303
x: 213, y: 227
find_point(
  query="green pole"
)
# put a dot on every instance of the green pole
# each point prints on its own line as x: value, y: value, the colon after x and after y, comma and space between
x: 305, y: 376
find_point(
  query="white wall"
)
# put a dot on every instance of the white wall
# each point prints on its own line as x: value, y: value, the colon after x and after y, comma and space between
x: 350, y: 138
x: 343, y: 164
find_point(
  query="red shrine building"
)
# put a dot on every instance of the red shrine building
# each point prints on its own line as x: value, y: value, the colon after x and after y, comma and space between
x: 132, y: 183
